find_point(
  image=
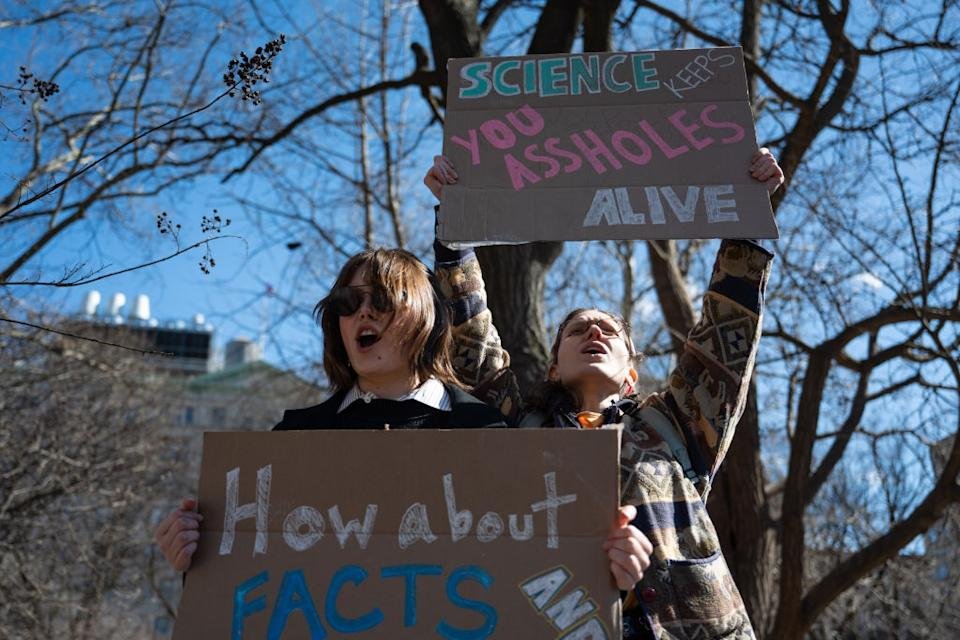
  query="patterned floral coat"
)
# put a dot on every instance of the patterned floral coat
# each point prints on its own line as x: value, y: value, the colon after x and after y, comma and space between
x: 673, y: 441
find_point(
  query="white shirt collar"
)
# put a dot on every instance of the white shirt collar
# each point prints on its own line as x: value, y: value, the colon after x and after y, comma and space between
x: 431, y: 393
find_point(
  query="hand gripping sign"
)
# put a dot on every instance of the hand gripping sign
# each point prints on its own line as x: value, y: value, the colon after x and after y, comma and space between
x: 653, y: 144
x: 455, y: 534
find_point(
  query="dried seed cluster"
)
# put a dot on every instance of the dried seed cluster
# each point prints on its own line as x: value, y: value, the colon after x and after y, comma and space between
x: 42, y: 88
x: 214, y: 223
x: 246, y: 72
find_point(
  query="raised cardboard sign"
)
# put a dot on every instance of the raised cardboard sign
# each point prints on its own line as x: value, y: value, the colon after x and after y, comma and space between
x: 405, y: 534
x: 653, y: 144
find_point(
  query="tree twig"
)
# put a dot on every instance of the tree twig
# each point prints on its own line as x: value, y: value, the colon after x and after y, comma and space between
x: 83, y: 281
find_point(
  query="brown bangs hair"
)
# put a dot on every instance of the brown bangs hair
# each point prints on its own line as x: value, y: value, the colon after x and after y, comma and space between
x: 616, y: 317
x: 418, y: 307
x: 549, y: 397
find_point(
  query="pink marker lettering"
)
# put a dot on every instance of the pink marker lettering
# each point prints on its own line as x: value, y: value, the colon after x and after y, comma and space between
x: 687, y: 130
x: 530, y: 153
x: 573, y: 160
x: 593, y: 153
x: 498, y: 134
x: 738, y: 131
x: 533, y: 124
x: 518, y: 172
x: 670, y: 152
x: 472, y: 145
x: 618, y: 139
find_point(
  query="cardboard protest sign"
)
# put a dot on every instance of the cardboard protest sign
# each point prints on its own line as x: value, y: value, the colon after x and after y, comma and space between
x: 652, y: 144
x: 405, y: 534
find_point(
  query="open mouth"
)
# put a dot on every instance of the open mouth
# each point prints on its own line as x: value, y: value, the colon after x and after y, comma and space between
x: 367, y: 338
x: 594, y: 348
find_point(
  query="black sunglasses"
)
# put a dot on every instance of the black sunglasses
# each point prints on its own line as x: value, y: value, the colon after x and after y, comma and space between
x: 345, y: 301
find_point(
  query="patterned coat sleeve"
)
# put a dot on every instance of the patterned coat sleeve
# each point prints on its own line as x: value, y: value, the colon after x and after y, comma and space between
x: 706, y: 392
x: 479, y: 359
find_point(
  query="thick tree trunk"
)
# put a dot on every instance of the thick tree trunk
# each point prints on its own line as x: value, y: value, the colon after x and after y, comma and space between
x: 738, y: 505
x: 454, y: 32
x: 671, y: 290
x: 515, y: 275
x: 740, y: 512
x: 515, y: 278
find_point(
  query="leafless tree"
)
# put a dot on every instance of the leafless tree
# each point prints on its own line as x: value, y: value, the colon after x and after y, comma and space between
x: 827, y: 485
x: 83, y: 450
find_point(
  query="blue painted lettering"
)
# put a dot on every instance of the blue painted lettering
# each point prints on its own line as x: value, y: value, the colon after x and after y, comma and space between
x: 294, y: 596
x: 409, y: 573
x: 488, y: 612
x: 242, y: 608
x: 356, y: 575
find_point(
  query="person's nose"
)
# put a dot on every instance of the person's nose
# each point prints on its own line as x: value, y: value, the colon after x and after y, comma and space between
x: 594, y: 332
x: 366, y: 306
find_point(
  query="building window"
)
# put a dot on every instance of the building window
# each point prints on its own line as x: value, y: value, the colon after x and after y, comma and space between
x: 218, y: 416
x: 188, y: 415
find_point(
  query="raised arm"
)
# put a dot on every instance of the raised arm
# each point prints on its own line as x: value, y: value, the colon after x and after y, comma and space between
x: 479, y: 359
x: 706, y: 392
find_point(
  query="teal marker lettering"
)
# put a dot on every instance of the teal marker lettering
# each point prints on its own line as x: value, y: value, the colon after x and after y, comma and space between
x: 609, y: 81
x: 644, y: 77
x: 584, y: 73
x: 552, y: 77
x: 529, y: 76
x: 500, y: 83
x: 477, y: 75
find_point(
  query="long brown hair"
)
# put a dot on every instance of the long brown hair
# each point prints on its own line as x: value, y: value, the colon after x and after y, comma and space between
x: 419, y: 308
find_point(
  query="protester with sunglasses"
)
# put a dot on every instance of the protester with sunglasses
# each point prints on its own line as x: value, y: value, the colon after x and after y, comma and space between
x: 673, y: 441
x: 386, y: 352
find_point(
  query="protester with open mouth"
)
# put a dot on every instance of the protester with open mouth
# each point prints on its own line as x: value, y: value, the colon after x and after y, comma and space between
x: 673, y: 441
x: 386, y: 352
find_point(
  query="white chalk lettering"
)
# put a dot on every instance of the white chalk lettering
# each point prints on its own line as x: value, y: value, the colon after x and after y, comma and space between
x: 490, y: 527
x: 716, y: 206
x: 604, y: 206
x: 615, y: 207
x: 550, y: 505
x: 296, y: 521
x: 414, y: 526
x: 527, y: 531
x: 233, y: 513
x: 570, y: 608
x: 683, y: 210
x: 697, y: 72
x: 460, y: 521
x: 541, y: 589
x: 362, y: 533
x: 627, y: 215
